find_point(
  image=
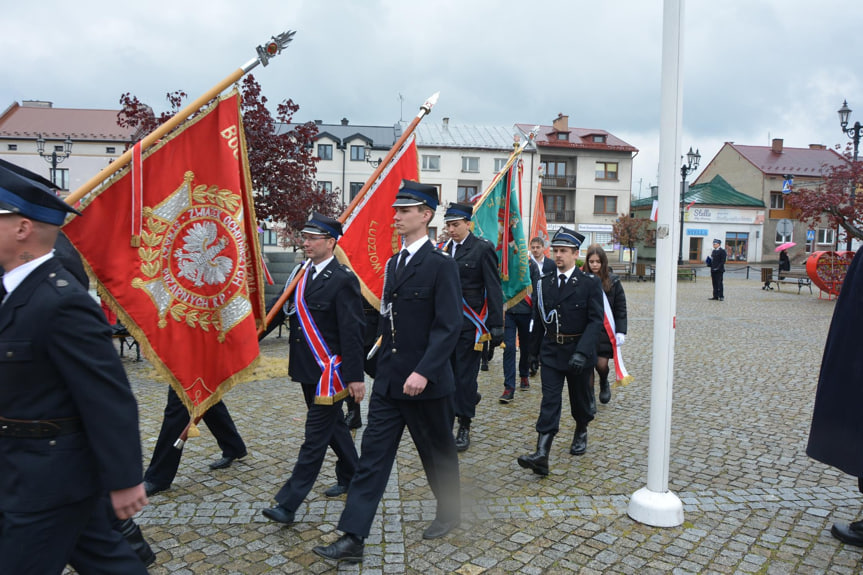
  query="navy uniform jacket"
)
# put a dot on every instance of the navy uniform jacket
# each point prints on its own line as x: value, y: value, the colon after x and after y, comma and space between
x: 57, y: 361
x: 426, y: 314
x: 335, y: 303
x: 478, y: 274
x: 717, y: 258
x: 579, y: 311
x: 836, y: 435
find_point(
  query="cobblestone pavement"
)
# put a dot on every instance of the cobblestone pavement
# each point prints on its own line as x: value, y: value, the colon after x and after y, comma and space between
x: 745, y: 377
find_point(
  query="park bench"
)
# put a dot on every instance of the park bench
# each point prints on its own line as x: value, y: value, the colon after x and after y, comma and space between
x: 686, y: 272
x: 126, y: 340
x: 644, y: 272
x: 799, y: 277
x: 624, y: 270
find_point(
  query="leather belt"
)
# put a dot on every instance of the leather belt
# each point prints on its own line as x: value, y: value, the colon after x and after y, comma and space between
x: 562, y: 338
x: 37, y: 428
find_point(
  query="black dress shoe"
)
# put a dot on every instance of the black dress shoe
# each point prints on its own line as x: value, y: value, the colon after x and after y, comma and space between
x: 439, y: 528
x: 336, y: 490
x: 226, y: 461
x: 354, y: 419
x: 579, y: 443
x: 346, y: 548
x: 604, y: 391
x: 711, y: 298
x: 152, y: 489
x: 462, y: 439
x: 279, y: 514
x: 483, y: 367
x: 852, y: 533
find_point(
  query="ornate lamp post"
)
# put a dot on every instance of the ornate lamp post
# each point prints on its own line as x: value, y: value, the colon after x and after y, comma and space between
x: 54, y: 158
x: 854, y: 133
x: 692, y: 160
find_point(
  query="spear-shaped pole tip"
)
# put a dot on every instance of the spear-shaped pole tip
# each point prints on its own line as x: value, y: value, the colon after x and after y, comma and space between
x: 430, y: 103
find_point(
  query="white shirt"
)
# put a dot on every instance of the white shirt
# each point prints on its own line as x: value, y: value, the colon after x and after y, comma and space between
x: 13, y: 278
x: 320, y: 267
x: 414, y: 248
x: 567, y: 273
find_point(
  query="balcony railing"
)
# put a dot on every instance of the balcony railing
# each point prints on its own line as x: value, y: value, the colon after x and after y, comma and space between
x: 560, y: 216
x: 558, y: 182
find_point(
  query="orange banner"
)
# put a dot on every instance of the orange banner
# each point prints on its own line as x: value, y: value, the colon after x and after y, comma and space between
x: 369, y: 238
x: 539, y: 225
x: 189, y: 287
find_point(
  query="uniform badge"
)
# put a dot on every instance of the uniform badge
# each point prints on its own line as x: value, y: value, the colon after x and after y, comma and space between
x: 193, y: 257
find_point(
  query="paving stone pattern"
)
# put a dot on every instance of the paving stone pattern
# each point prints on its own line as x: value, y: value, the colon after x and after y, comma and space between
x: 745, y: 376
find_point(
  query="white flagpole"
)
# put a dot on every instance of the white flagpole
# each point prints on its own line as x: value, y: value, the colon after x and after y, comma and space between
x: 655, y: 505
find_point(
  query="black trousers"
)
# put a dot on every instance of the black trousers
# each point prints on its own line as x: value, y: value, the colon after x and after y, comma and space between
x: 581, y: 400
x: 166, y: 459
x: 429, y: 422
x: 78, y: 534
x: 465, y: 367
x: 716, y: 278
x: 325, y: 426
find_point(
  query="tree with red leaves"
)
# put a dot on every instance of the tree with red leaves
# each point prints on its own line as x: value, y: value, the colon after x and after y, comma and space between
x: 628, y: 231
x: 281, y: 157
x: 832, y: 200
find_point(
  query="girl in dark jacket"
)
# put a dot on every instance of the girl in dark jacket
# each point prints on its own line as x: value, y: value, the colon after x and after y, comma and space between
x: 596, y: 263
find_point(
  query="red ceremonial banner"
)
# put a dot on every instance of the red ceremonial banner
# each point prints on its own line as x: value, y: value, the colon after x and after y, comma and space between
x: 189, y: 287
x: 369, y: 238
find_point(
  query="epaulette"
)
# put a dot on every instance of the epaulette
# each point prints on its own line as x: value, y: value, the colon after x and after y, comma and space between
x: 346, y: 268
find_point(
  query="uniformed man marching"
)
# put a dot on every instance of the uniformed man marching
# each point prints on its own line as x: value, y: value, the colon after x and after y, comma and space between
x: 567, y: 321
x: 326, y: 357
x: 68, y: 420
x: 482, y: 301
x: 421, y: 318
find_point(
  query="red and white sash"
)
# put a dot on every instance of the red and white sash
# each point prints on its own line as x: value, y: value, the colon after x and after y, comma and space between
x: 621, y: 375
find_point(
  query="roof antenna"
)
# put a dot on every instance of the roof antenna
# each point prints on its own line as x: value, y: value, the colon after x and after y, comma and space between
x: 401, y: 107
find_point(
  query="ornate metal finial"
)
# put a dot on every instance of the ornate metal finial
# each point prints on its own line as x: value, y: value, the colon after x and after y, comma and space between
x: 275, y: 47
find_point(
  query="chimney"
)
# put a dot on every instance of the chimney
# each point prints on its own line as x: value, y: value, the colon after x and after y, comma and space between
x: 36, y: 104
x: 817, y: 147
x: 446, y: 124
x: 561, y: 124
x: 318, y: 122
x: 777, y: 145
x: 344, y: 121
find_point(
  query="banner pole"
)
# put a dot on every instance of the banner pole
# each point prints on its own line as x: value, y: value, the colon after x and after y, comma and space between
x: 271, y: 49
x: 425, y: 109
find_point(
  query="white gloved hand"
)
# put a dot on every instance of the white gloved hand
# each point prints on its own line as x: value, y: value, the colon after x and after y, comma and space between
x: 621, y: 339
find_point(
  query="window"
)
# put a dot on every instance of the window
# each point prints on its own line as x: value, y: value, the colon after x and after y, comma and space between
x: 736, y: 244
x: 605, y: 204
x: 431, y: 163
x: 554, y: 202
x: 469, y: 164
x: 433, y: 234
x: 325, y: 151
x: 358, y: 154
x: 604, y: 239
x: 825, y: 236
x: 60, y: 177
x: 325, y: 187
x: 782, y: 238
x: 606, y: 170
x: 12, y: 147
x: 777, y: 201
x: 110, y: 150
x: 465, y: 193
x: 355, y: 189
x: 499, y: 163
x: 563, y: 136
x: 553, y: 169
x: 58, y: 148
x: 269, y: 238
x: 598, y: 138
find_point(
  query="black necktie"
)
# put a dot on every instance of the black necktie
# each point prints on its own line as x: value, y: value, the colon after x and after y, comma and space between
x: 562, y: 282
x: 312, y: 271
x: 2, y: 290
x: 403, y: 260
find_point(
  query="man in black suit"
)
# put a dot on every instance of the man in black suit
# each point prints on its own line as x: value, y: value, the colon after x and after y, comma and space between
x: 544, y: 266
x: 68, y: 420
x: 716, y: 261
x: 566, y: 323
x: 166, y: 458
x: 326, y: 318
x: 481, y: 292
x: 420, y: 322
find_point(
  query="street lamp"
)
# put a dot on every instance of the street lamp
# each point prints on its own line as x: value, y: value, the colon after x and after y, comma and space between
x: 692, y: 160
x: 854, y: 133
x: 373, y: 163
x: 53, y: 158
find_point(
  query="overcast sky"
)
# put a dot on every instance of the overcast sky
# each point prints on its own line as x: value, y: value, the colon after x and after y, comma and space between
x: 753, y: 69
